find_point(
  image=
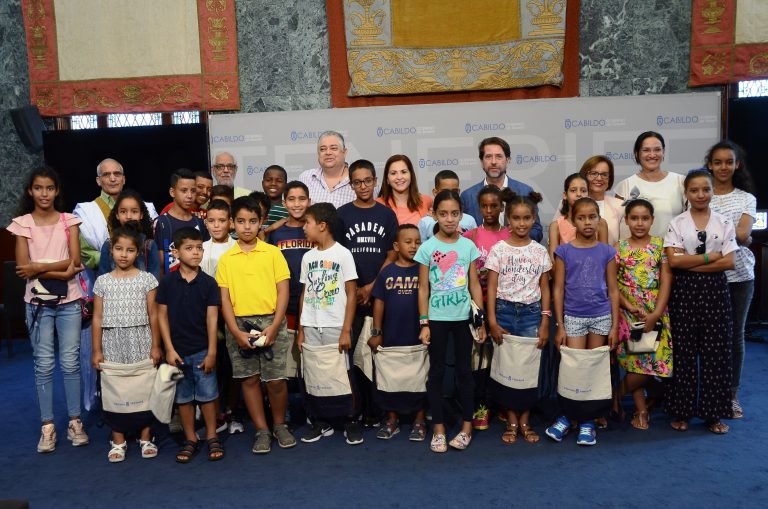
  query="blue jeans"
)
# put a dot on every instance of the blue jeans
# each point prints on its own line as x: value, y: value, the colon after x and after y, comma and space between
x: 519, y: 319
x: 62, y: 321
x: 741, y: 298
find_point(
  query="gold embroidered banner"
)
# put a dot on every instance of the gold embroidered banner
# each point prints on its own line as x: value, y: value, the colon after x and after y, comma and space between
x: 107, y: 56
x: 729, y: 41
x: 406, y: 47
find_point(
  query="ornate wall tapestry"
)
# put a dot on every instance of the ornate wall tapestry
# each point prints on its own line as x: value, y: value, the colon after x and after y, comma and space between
x: 729, y: 41
x: 105, y: 56
x: 408, y: 47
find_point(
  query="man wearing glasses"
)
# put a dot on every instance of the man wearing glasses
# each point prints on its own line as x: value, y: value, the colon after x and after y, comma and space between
x: 224, y: 169
x: 330, y: 182
x: 110, y: 177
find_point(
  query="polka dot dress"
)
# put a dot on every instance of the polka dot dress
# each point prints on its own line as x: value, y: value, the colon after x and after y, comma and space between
x: 700, y: 314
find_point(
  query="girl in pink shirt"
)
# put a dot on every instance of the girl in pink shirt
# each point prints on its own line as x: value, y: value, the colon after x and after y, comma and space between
x: 48, y: 257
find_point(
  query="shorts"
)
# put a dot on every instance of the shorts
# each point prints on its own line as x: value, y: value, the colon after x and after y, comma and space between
x: 322, y: 336
x: 576, y: 326
x: 273, y: 369
x: 519, y: 319
x: 196, y: 385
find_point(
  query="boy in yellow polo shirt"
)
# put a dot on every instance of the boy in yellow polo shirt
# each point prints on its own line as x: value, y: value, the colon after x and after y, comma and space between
x: 254, y: 281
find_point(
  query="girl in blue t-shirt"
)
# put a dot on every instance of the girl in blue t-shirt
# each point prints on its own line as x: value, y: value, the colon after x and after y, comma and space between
x: 586, y: 299
x: 448, y: 264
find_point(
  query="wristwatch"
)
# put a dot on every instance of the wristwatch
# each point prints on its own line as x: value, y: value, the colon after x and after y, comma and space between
x: 375, y: 332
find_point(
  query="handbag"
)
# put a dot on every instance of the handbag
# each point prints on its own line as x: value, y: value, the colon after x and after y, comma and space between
x: 49, y: 291
x: 640, y: 342
x: 86, y: 303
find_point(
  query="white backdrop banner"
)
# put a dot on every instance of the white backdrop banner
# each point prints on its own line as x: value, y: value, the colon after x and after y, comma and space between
x: 549, y: 138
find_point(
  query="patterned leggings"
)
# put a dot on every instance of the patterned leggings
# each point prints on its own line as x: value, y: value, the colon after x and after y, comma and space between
x: 700, y: 315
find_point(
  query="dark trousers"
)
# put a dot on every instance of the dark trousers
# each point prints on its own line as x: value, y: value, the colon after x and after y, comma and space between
x: 462, y: 344
x: 741, y: 298
x: 700, y: 314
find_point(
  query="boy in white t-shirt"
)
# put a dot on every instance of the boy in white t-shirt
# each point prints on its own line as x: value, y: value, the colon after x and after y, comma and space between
x: 327, y: 301
x: 218, y: 221
x: 219, y: 224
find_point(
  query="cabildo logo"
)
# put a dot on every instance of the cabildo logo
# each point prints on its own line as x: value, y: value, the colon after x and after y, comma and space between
x: 306, y: 135
x: 576, y: 123
x: 472, y: 127
x: 535, y: 158
x: 430, y: 163
x: 404, y: 131
x: 255, y: 170
x: 620, y: 156
x: 677, y: 119
x: 236, y: 138
x: 399, y: 131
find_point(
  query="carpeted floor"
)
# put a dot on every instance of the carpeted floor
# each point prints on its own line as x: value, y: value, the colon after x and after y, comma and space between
x: 628, y: 468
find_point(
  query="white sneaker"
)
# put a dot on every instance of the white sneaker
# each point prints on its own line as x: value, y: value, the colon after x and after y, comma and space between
x: 76, y: 433
x: 47, y: 441
x: 236, y: 427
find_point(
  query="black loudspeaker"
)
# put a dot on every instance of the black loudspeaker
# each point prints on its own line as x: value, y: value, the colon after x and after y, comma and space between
x: 29, y: 125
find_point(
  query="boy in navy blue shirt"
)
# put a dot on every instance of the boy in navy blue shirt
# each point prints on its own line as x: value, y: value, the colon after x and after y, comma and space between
x: 368, y: 230
x: 396, y: 315
x: 290, y: 238
x: 184, y: 192
x: 188, y: 309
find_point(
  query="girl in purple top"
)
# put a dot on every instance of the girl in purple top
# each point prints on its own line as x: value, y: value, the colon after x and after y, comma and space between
x: 586, y: 298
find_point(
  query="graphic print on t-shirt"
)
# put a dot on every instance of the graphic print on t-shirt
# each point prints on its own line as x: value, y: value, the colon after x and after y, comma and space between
x: 445, y: 273
x: 323, y: 284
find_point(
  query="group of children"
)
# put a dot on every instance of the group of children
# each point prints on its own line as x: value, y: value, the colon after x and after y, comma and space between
x: 240, y: 283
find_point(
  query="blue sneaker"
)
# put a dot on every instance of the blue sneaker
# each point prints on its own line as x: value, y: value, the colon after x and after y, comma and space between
x: 587, y: 434
x: 558, y: 429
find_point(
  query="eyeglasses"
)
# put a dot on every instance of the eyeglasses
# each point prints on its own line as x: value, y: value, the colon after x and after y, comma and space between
x: 224, y: 166
x: 108, y: 174
x: 368, y: 182
x: 598, y: 174
x: 702, y: 236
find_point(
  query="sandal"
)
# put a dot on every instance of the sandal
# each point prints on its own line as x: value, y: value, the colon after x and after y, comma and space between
x: 510, y: 434
x: 738, y: 411
x: 718, y: 427
x: 679, y: 425
x: 640, y: 420
x: 215, y: 449
x: 148, y: 449
x: 601, y: 423
x: 529, y: 435
x: 188, y: 450
x: 117, y: 453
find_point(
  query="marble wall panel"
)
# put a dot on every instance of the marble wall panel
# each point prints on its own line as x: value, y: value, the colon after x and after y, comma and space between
x: 626, y: 48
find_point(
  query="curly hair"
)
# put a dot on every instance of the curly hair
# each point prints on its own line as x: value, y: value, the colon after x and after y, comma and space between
x: 145, y: 222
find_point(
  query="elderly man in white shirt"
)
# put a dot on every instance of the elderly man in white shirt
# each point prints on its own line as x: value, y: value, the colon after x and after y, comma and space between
x: 110, y: 177
x: 330, y: 181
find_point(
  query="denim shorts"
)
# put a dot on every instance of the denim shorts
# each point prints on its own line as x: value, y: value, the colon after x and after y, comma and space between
x: 196, y: 385
x: 576, y: 326
x: 518, y: 318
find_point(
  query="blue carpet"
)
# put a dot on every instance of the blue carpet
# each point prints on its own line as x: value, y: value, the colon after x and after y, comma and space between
x: 628, y: 468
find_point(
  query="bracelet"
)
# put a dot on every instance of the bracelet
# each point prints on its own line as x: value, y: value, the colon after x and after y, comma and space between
x: 423, y: 317
x: 423, y: 321
x: 706, y: 259
x: 546, y: 312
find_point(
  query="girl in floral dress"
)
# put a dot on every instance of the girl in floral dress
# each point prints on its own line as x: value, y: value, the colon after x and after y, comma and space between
x: 644, y: 281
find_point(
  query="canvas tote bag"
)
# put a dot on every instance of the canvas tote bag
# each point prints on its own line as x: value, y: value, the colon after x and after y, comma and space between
x: 363, y: 356
x: 584, y: 382
x: 125, y: 388
x: 401, y: 377
x: 326, y: 380
x: 515, y: 372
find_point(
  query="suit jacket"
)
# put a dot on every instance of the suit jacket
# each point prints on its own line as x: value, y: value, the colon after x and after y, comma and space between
x: 471, y: 207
